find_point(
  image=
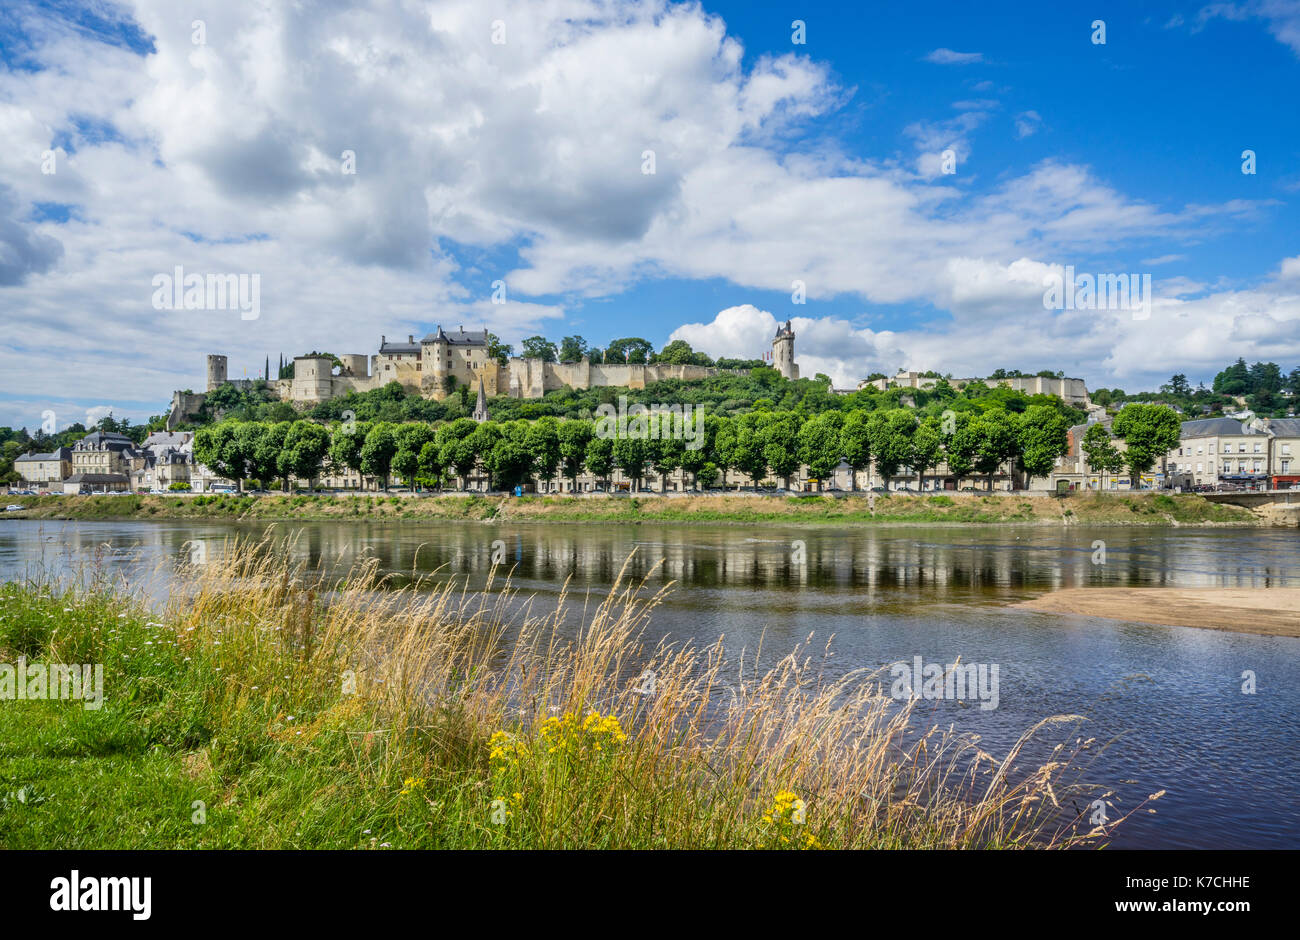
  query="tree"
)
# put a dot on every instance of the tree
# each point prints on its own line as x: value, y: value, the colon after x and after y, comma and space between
x: 1103, y: 456
x: 679, y: 352
x: 216, y: 447
x: 1043, y: 435
x: 574, y: 437
x: 346, y: 444
x: 747, y: 452
x: 600, y: 458
x: 926, y: 449
x: 891, y: 440
x: 572, y: 348
x: 855, y: 443
x: 632, y: 455
x: 509, y: 458
x: 430, y: 463
x: 960, y: 445
x: 819, y: 444
x: 456, y: 449
x: 539, y: 347
x: 264, y: 442
x: 631, y: 349
x: 411, y: 439
x: 995, y: 442
x: 482, y: 442
x: 1149, y: 432
x: 543, y: 442
x: 305, y: 448
x: 780, y: 438
x: 666, y: 455
x: 498, y: 350
x: 378, y: 451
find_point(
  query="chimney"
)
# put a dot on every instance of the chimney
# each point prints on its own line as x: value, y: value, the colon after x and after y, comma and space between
x: 382, y: 339
x: 410, y: 337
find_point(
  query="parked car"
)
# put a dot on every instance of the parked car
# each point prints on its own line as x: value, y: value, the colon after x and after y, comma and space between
x: 14, y: 507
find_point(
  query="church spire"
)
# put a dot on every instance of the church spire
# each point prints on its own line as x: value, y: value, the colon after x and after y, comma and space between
x: 480, y: 407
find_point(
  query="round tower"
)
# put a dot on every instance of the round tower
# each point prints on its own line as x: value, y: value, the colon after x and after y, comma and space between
x: 216, y: 372
x: 311, y: 378
x: 783, y: 352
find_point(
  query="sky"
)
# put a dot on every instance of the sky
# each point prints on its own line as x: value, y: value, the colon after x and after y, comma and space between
x: 900, y: 181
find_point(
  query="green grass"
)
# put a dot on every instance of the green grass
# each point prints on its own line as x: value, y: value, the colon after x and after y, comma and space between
x: 804, y: 509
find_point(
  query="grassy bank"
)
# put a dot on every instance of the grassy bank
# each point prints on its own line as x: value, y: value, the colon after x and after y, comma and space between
x: 978, y: 508
x: 251, y: 713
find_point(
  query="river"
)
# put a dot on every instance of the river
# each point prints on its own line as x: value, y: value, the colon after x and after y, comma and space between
x: 1169, y: 698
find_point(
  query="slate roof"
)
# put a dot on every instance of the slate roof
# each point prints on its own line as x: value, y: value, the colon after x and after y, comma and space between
x: 461, y: 337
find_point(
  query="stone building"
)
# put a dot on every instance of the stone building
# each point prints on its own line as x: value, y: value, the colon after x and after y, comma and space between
x: 44, y: 469
x: 443, y: 361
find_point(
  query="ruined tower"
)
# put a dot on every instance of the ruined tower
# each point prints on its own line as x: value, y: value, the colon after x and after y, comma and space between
x: 783, y: 352
x: 216, y: 372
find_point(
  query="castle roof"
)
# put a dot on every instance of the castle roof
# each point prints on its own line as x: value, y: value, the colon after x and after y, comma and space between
x: 461, y: 337
x: 1211, y: 427
x: 410, y: 346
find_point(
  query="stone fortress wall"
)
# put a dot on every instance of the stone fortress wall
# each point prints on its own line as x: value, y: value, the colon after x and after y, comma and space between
x: 443, y: 361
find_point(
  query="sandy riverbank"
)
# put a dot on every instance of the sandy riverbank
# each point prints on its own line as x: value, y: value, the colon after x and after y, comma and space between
x: 1266, y: 611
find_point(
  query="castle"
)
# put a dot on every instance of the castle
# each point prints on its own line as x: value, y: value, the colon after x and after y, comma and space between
x: 441, y: 362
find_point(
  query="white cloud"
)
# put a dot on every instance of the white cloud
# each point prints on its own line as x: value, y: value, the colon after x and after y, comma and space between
x: 948, y: 57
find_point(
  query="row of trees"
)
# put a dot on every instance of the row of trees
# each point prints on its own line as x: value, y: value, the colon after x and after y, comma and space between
x: 761, y: 445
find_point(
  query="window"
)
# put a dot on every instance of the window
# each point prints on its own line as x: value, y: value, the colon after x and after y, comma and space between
x: 1199, y: 451
x: 1286, y: 466
x: 1286, y: 448
x: 1259, y: 448
x: 1241, y: 448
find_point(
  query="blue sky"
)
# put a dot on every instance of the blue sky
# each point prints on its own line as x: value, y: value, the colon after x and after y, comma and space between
x: 522, y: 161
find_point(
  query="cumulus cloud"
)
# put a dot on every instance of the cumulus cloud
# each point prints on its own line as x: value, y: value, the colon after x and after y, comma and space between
x: 527, y: 162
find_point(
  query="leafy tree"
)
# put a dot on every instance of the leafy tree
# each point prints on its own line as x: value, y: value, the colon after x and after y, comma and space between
x: 510, y: 460
x: 926, y: 449
x: 632, y: 455
x: 960, y: 445
x: 378, y: 451
x: 543, y: 442
x: 1042, y: 436
x: 539, y: 347
x: 1149, y: 432
x: 574, y: 438
x: 891, y: 433
x: 572, y: 348
x: 1103, y: 456
x: 820, y: 445
x: 600, y: 458
x: 631, y: 349
x: 456, y: 448
x: 346, y: 444
x: 855, y: 443
x: 411, y: 439
x: 995, y: 442
x: 305, y: 448
x: 780, y: 440
x: 498, y: 350
x: 666, y: 455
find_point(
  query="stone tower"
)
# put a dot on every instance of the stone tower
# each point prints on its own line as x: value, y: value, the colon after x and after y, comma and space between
x: 783, y: 351
x: 216, y: 372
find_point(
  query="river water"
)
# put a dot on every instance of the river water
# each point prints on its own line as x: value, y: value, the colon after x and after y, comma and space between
x: 1169, y: 699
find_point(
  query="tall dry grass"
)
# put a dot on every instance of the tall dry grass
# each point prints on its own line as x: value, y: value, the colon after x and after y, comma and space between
x: 507, y: 729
